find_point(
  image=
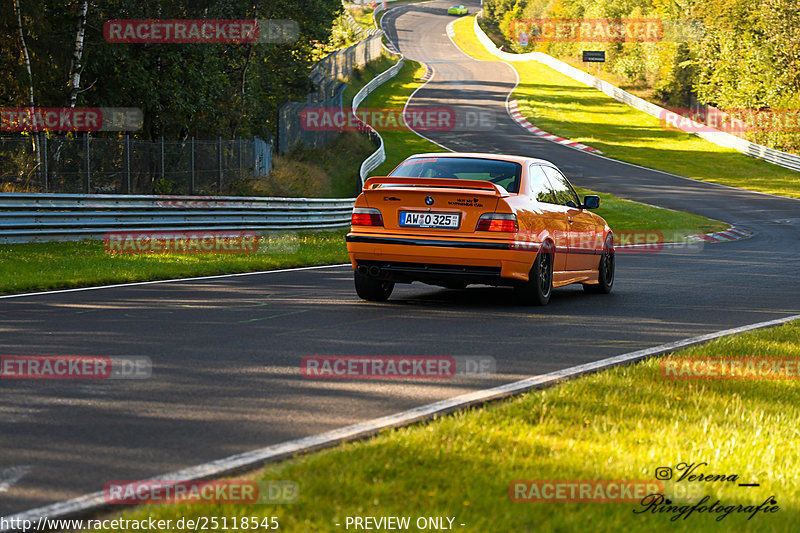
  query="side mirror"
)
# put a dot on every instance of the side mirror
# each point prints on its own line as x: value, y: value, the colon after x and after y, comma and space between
x: 591, y: 202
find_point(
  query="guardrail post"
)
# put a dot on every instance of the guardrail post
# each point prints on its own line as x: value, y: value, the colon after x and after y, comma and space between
x: 219, y: 165
x: 191, y: 165
x: 86, y: 165
x: 126, y: 148
x: 43, y: 148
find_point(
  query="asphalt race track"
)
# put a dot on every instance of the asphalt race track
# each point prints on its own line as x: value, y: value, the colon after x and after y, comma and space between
x: 226, y: 352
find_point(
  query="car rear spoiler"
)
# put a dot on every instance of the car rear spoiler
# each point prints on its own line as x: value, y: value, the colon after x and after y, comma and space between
x: 477, y: 186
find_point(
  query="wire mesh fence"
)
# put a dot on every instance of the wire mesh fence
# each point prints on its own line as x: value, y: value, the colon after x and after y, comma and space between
x: 292, y: 131
x: 82, y: 163
x: 124, y: 165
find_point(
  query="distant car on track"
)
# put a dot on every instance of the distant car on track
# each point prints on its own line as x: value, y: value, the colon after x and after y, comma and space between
x: 454, y: 219
x: 458, y: 10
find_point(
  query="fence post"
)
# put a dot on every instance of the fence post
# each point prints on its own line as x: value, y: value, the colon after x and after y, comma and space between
x: 191, y: 166
x: 241, y: 165
x: 86, y: 165
x: 219, y: 165
x: 43, y: 148
x: 162, y: 158
x: 126, y: 147
x: 278, y: 127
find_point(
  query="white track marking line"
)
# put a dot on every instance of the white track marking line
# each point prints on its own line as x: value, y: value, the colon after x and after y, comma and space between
x: 405, y: 107
x: 254, y: 459
x: 10, y: 476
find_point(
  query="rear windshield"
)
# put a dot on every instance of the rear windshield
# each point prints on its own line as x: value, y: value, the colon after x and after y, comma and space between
x: 504, y: 173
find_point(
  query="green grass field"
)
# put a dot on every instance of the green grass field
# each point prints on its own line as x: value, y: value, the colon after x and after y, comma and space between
x: 620, y: 424
x: 57, y: 265
x: 565, y: 107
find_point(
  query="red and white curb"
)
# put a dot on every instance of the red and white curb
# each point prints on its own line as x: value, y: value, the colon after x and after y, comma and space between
x: 390, y: 46
x: 428, y: 73
x: 513, y: 110
x: 731, y: 234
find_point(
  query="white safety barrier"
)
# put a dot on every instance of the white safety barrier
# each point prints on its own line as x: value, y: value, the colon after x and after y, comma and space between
x: 720, y: 138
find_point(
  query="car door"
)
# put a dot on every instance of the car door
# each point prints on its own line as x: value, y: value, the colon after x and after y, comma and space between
x: 582, y: 230
x: 548, y: 215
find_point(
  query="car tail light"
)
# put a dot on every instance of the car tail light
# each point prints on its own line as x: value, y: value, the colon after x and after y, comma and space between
x: 366, y: 216
x: 498, y: 222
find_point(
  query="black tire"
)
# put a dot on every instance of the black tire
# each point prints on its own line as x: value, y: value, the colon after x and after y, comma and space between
x: 539, y: 287
x: 606, y: 270
x: 374, y: 290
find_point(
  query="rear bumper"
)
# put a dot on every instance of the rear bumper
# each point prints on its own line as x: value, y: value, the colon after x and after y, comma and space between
x: 404, y: 258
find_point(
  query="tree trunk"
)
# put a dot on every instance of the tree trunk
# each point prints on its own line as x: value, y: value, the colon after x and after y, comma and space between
x: 75, y: 66
x: 31, y: 99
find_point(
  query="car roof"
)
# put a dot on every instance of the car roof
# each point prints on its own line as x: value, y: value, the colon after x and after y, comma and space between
x: 476, y: 155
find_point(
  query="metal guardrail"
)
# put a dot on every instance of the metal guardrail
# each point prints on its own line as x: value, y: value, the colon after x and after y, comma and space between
x: 35, y: 217
x: 27, y: 217
x: 720, y: 138
x: 379, y: 156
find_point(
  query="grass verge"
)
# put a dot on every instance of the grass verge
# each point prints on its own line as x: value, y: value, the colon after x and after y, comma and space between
x: 362, y: 15
x: 58, y: 265
x: 565, y: 107
x: 620, y: 424
x: 327, y: 172
x: 624, y: 214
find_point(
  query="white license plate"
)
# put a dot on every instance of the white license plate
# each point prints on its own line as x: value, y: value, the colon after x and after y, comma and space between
x: 429, y: 220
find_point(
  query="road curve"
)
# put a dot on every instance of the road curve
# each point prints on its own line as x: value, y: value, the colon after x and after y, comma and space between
x: 226, y: 352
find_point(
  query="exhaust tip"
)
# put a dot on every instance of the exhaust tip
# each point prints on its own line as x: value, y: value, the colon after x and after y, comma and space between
x: 362, y: 269
x: 374, y: 271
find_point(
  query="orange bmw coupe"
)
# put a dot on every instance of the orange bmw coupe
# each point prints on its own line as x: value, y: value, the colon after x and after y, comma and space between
x: 455, y: 219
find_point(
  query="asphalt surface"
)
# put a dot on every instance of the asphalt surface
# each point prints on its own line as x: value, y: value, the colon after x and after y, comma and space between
x: 226, y: 352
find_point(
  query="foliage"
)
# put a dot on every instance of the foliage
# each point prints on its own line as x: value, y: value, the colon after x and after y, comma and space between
x: 733, y: 54
x: 200, y: 90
